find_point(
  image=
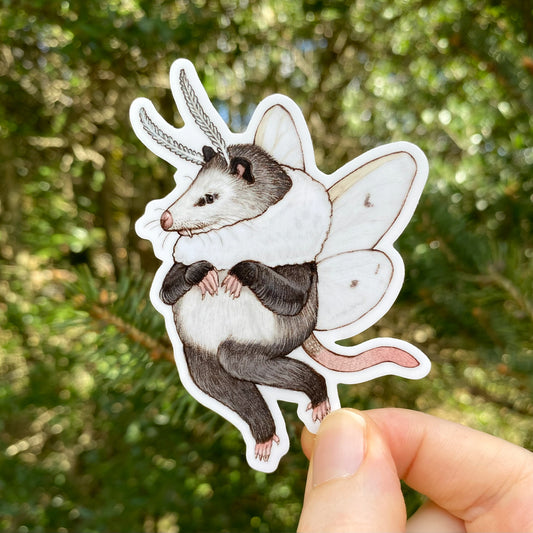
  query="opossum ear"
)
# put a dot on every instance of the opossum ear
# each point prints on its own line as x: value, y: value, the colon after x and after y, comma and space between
x: 209, y: 153
x: 242, y: 168
x: 278, y: 135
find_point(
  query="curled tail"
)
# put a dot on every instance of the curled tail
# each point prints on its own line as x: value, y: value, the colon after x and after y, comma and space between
x: 367, y: 359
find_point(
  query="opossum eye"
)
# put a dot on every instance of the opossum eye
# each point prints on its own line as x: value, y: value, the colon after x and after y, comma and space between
x: 206, y: 199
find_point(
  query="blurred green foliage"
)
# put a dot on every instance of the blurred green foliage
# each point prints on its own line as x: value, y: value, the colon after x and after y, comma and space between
x: 96, y: 432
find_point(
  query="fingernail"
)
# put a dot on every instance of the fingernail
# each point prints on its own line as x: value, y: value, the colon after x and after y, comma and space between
x: 340, y: 446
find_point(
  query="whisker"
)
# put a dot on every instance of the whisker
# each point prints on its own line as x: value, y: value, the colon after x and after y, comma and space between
x: 157, y: 238
x: 165, y: 239
x: 152, y: 224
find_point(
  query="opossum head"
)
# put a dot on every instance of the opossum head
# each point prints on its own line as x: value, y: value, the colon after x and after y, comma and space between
x: 222, y: 195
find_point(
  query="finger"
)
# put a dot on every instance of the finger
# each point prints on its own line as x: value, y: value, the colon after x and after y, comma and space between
x: 202, y: 288
x: 352, y: 483
x: 267, y: 449
x: 307, y: 441
x: 228, y: 281
x: 232, y: 283
x: 485, y: 481
x: 209, y: 281
x: 431, y: 517
x: 208, y: 285
x: 212, y: 281
x: 215, y: 277
x: 238, y: 289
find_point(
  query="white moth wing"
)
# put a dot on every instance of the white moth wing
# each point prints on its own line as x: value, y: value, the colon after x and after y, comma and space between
x: 361, y: 278
x: 278, y: 136
x: 360, y: 274
x: 367, y: 203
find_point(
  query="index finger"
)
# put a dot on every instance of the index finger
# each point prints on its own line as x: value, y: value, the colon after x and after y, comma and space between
x: 484, y: 480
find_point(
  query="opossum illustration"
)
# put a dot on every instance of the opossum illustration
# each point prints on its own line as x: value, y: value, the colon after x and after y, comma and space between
x: 270, y: 256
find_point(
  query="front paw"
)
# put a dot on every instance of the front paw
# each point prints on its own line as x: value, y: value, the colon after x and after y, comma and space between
x: 209, y: 283
x: 204, y: 275
x: 197, y: 272
x: 245, y: 271
x: 232, y: 286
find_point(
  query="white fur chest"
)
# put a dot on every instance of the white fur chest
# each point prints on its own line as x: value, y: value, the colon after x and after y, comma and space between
x: 290, y: 232
x: 209, y: 321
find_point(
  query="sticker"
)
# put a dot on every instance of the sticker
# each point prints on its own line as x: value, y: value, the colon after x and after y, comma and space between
x: 267, y: 261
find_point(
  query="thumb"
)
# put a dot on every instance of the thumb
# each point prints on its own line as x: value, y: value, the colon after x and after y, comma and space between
x: 352, y: 484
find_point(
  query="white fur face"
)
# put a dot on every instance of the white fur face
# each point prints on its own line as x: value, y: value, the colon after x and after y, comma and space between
x: 215, y: 199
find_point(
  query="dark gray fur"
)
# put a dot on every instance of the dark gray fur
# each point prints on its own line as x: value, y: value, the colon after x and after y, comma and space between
x: 271, y: 182
x: 231, y: 377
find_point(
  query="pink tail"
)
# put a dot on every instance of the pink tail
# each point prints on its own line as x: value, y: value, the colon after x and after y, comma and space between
x: 372, y: 357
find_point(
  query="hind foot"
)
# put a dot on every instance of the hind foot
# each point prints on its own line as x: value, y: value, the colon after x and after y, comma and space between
x: 320, y: 411
x: 263, y: 449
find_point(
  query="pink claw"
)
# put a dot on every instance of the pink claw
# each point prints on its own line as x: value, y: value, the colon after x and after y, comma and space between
x: 263, y: 449
x: 209, y: 284
x: 232, y: 286
x: 320, y: 411
x: 212, y: 280
x: 202, y: 288
x: 226, y: 282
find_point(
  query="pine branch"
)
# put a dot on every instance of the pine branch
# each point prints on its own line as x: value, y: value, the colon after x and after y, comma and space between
x: 156, y: 349
x: 495, y: 278
x: 487, y: 396
x: 123, y: 306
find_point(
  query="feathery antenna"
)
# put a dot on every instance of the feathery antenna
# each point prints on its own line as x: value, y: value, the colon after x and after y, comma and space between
x: 165, y: 140
x: 201, y: 118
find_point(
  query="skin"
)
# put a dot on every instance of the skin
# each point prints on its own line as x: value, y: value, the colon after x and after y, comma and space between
x: 473, y: 481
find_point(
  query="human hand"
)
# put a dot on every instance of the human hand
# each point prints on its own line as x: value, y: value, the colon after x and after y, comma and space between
x: 474, y: 481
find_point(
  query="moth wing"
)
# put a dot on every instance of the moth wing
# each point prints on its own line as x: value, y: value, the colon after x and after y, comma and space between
x: 374, y: 202
x: 360, y: 273
x: 278, y: 136
x: 351, y: 285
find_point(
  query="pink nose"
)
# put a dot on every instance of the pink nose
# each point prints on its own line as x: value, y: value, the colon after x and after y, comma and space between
x: 166, y: 220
